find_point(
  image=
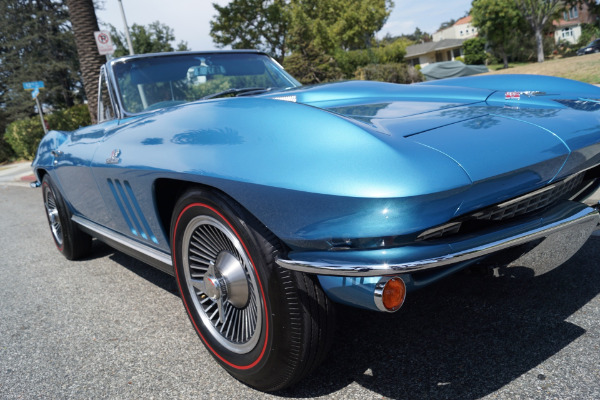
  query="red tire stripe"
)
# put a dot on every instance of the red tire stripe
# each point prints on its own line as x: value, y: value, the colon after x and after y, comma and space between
x: 241, y: 367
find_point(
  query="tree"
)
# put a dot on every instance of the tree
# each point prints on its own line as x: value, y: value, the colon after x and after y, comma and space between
x: 84, y: 23
x: 319, y: 30
x: 252, y: 24
x: 36, y: 44
x: 538, y: 13
x: 155, y: 38
x: 345, y: 24
x: 474, y: 51
x: 447, y: 24
x: 499, y: 21
x: 420, y: 36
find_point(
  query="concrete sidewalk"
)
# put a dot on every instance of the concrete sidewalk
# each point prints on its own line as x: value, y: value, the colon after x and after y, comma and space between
x: 19, y: 174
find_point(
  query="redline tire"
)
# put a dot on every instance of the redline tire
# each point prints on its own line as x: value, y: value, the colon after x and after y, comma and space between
x: 225, y: 268
x: 69, y: 240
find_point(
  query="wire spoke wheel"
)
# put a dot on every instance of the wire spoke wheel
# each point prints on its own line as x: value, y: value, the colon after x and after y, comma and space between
x: 221, y: 280
x: 53, y: 217
x: 267, y: 326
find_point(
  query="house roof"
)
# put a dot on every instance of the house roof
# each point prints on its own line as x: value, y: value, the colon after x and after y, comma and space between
x: 464, y: 20
x: 424, y: 48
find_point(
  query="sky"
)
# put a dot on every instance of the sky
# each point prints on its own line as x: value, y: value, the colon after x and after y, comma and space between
x: 190, y: 19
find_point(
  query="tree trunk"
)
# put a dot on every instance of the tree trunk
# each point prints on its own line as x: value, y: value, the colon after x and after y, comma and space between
x: 504, y: 56
x: 539, y: 42
x: 84, y: 23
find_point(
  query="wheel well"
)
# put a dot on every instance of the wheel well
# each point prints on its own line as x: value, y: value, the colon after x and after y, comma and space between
x: 40, y: 173
x: 168, y: 191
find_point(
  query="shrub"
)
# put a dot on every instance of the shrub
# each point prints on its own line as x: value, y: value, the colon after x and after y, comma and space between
x: 24, y: 135
x: 589, y: 32
x: 393, y: 72
x: 70, y: 119
x: 349, y: 61
x: 474, y: 51
x: 6, y: 153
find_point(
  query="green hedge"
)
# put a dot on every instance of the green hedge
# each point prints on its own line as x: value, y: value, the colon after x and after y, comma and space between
x: 393, y: 72
x: 474, y: 51
x: 6, y: 152
x: 24, y: 135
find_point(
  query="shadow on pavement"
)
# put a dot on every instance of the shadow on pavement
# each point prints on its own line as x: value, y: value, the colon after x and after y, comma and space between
x: 464, y: 337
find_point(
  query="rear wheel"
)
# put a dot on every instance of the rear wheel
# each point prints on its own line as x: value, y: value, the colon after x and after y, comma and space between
x: 69, y: 240
x: 267, y: 326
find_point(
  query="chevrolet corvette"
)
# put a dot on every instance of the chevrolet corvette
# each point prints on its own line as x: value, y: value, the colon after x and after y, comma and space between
x: 270, y: 202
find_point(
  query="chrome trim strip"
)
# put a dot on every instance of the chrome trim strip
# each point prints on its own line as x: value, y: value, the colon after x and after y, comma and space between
x: 587, y: 216
x: 124, y: 241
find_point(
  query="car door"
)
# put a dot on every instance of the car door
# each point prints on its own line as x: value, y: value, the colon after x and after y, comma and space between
x: 72, y: 169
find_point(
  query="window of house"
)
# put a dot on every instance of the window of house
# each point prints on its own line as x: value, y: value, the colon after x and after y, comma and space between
x: 456, y: 53
x: 461, y: 33
x: 573, y: 13
x: 567, y: 32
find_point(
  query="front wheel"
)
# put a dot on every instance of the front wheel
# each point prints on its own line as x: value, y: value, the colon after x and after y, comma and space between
x: 267, y: 326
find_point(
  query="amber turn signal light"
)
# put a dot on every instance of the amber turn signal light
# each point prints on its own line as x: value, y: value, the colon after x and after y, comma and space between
x: 389, y: 294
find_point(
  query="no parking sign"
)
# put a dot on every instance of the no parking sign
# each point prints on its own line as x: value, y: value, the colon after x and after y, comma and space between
x: 104, y: 42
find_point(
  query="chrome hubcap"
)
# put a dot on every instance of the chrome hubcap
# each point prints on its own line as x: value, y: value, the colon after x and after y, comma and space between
x: 222, y: 283
x: 53, y: 217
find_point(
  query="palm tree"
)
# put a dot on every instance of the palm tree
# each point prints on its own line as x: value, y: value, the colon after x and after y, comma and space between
x: 84, y: 23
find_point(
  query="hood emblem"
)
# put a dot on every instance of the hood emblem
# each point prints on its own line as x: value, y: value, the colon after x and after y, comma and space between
x: 517, y: 95
x: 114, y: 157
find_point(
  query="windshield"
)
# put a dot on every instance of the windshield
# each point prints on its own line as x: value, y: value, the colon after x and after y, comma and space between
x: 162, y: 81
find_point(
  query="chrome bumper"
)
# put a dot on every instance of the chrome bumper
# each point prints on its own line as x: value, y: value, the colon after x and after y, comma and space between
x: 583, y: 221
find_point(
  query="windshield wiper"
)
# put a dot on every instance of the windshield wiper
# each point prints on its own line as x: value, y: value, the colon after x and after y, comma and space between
x: 236, y: 92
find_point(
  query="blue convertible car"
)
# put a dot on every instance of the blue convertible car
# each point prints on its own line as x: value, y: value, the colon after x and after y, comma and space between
x: 270, y: 201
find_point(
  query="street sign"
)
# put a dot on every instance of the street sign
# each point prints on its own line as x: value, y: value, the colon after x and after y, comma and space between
x: 33, y: 85
x: 35, y: 91
x: 104, y: 42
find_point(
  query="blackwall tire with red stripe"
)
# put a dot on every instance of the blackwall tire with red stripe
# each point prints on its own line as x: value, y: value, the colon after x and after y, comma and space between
x: 69, y: 240
x: 267, y: 326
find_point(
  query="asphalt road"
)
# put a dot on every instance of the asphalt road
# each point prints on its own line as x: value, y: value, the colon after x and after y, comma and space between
x: 112, y: 327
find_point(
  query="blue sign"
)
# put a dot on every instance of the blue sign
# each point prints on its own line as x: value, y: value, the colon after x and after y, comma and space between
x: 33, y: 85
x: 35, y: 93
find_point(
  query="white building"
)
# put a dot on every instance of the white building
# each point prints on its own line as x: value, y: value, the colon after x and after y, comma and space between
x: 462, y: 29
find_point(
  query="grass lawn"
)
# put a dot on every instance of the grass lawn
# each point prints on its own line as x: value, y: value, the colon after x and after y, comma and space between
x: 584, y: 68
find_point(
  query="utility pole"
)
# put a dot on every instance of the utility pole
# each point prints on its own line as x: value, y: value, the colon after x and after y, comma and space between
x: 131, y: 52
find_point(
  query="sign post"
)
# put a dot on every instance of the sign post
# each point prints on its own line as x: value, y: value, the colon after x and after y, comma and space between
x: 35, y: 91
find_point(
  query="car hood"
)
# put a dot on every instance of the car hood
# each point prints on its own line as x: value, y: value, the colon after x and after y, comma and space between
x: 512, y: 140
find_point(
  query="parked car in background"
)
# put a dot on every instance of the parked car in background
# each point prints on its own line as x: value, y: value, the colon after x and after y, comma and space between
x: 593, y: 47
x: 269, y: 201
